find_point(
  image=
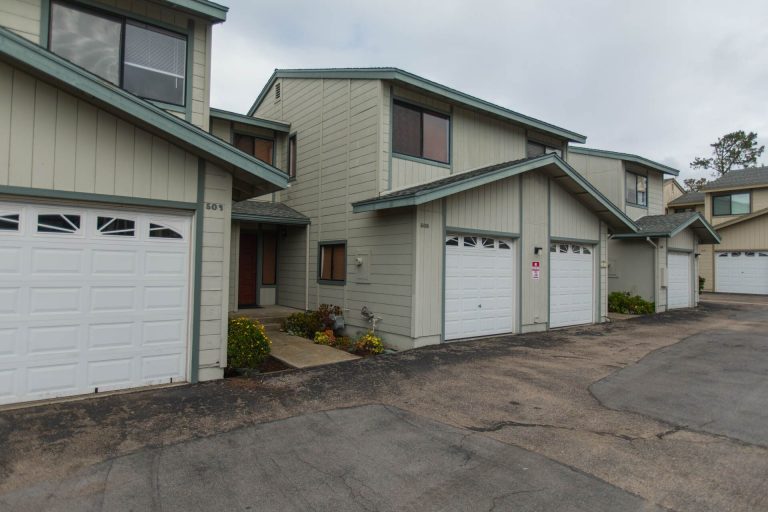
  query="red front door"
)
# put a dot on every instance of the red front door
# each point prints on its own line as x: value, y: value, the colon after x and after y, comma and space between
x: 248, y: 273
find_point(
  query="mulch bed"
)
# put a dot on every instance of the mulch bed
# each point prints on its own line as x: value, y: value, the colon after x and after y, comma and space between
x: 269, y: 365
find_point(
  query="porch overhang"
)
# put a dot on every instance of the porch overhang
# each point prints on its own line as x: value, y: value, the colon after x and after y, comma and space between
x: 668, y: 226
x: 550, y: 164
x: 265, y: 212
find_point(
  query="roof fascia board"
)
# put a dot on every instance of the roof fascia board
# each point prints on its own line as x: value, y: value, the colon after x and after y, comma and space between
x: 213, y: 11
x: 624, y: 156
x: 684, y: 203
x: 251, y: 121
x: 30, y: 55
x: 269, y: 220
x: 708, y: 190
x: 404, y: 77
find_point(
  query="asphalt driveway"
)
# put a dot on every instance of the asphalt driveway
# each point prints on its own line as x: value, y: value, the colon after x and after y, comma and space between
x: 507, y: 422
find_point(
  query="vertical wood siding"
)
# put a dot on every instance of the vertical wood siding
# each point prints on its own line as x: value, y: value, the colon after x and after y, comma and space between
x: 570, y: 218
x: 490, y: 207
x: 23, y: 17
x: 631, y: 268
x: 337, y: 123
x: 50, y: 139
x: 406, y: 173
x: 606, y: 174
x: 535, y: 233
x: 428, y: 277
x: 685, y: 240
x: 234, y: 262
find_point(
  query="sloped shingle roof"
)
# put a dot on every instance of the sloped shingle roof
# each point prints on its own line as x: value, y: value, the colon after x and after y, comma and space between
x: 265, y: 211
x: 689, y: 198
x: 751, y: 176
x: 670, y: 225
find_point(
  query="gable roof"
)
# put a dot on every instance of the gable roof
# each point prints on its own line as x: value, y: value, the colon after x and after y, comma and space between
x: 210, y: 10
x: 688, y: 198
x: 580, y: 150
x: 740, y: 178
x: 264, y: 211
x: 738, y: 220
x: 667, y: 226
x: 406, y: 78
x: 50, y: 67
x: 456, y: 183
x: 234, y: 117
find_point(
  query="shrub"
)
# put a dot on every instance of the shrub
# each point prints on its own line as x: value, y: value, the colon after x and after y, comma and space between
x: 369, y: 343
x: 304, y: 324
x: 327, y: 314
x: 701, y: 284
x: 247, y: 343
x: 625, y: 303
x: 342, y: 343
x: 325, y: 338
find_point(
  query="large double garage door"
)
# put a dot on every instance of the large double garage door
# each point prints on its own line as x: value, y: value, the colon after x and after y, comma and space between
x: 481, y: 285
x: 91, y: 300
x: 741, y: 272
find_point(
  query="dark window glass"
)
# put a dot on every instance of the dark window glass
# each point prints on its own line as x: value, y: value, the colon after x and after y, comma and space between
x: 333, y: 262
x: 637, y: 189
x: 154, y: 63
x: 631, y: 188
x: 9, y: 222
x: 115, y: 227
x: 292, y: 156
x: 57, y: 223
x: 160, y: 231
x: 721, y: 205
x: 269, y: 259
x: 264, y: 149
x: 92, y: 41
x: 420, y: 133
x: 739, y: 203
x: 533, y: 149
x: 732, y: 204
x: 244, y: 143
x: 406, y: 134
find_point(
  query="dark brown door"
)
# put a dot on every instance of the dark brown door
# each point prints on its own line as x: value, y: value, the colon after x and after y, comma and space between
x: 248, y: 273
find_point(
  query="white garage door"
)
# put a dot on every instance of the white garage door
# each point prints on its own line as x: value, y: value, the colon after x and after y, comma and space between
x: 90, y: 300
x: 679, y: 286
x: 741, y: 272
x: 572, y: 297
x: 479, y: 286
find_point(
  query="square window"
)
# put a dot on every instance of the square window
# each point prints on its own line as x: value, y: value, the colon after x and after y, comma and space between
x: 420, y: 133
x: 263, y: 149
x: 333, y: 262
x: 732, y: 204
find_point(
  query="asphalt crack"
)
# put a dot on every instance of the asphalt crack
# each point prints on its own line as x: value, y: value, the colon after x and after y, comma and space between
x: 495, y: 427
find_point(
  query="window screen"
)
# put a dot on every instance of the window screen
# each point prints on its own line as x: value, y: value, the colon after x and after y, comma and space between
x: 92, y: 41
x: 154, y: 63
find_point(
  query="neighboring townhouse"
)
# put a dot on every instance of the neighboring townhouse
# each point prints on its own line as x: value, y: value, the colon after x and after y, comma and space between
x: 672, y: 190
x: 737, y: 204
x: 688, y: 202
x: 114, y: 199
x: 659, y: 261
x: 444, y: 215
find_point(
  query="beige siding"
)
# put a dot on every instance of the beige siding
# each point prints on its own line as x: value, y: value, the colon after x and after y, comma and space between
x: 631, y: 268
x: 215, y: 274
x: 661, y: 287
x: 602, y: 264
x: 747, y: 235
x: 759, y: 202
x: 490, y: 208
x: 685, y: 240
x: 571, y: 219
x: 234, y: 262
x: 50, y: 139
x: 291, y: 268
x: 655, y: 194
x: 706, y: 266
x: 606, y: 174
x: 406, y: 173
x: 428, y: 278
x: 671, y: 191
x: 337, y: 123
x: 635, y: 213
x: 23, y: 17
x: 535, y: 233
x: 480, y: 140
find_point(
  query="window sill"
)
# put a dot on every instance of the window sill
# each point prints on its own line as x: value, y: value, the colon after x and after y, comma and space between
x: 168, y: 106
x: 635, y: 205
x: 331, y: 283
x: 426, y: 161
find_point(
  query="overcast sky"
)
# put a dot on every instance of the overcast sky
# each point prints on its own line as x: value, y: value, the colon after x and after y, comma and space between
x: 661, y: 78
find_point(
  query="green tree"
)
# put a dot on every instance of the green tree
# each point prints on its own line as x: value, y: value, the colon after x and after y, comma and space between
x: 735, y: 149
x: 693, y: 184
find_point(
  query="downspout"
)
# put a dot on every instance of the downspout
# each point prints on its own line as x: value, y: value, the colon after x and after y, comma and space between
x: 306, y: 273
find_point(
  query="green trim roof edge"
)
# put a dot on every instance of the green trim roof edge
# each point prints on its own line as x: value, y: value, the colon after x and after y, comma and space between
x: 30, y: 55
x: 211, y: 10
x: 398, y: 75
x: 624, y: 156
x: 253, y: 121
x: 425, y: 196
x: 660, y: 234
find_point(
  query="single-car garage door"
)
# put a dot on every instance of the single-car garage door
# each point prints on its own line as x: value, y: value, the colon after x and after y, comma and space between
x: 479, y: 286
x: 91, y: 300
x: 572, y: 297
x: 741, y: 272
x: 679, y: 285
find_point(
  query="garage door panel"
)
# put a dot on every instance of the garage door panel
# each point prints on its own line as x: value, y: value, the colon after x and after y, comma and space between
x: 679, y: 284
x: 75, y: 307
x: 742, y: 272
x: 480, y: 287
x: 571, y: 284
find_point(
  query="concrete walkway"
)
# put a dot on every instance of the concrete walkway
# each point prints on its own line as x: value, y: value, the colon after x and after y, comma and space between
x: 298, y: 352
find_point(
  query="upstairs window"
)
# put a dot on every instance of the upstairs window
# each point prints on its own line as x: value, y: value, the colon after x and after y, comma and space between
x: 147, y: 61
x: 732, y: 204
x: 420, y: 133
x: 533, y: 149
x: 637, y: 189
x: 263, y: 149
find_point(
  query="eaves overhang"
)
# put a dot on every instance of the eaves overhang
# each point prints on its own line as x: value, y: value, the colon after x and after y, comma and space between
x: 412, y: 80
x: 705, y: 232
x: 210, y: 10
x: 250, y: 121
x: 555, y: 166
x: 624, y: 156
x: 49, y: 67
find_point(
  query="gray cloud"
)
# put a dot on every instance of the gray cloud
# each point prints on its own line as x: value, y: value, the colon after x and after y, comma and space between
x: 659, y: 78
